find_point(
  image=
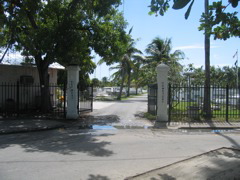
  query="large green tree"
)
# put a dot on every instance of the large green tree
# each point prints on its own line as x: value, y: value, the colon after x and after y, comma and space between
x: 64, y: 31
x: 215, y: 20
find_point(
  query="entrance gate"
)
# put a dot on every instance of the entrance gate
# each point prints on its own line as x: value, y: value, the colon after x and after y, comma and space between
x: 152, y: 99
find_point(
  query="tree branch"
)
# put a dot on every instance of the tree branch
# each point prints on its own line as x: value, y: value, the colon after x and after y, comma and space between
x: 31, y: 19
x: 4, y: 53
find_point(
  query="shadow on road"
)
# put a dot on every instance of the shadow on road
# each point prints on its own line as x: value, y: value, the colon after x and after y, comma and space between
x: 99, y: 119
x: 222, y: 163
x: 60, y: 141
x: 234, y: 143
x: 231, y: 140
x: 97, y: 177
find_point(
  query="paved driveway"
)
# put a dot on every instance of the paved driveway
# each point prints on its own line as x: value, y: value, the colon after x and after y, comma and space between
x: 122, y: 113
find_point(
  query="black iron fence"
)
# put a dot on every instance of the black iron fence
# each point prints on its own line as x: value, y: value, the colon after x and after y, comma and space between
x: 152, y: 99
x: 187, y: 103
x: 25, y: 100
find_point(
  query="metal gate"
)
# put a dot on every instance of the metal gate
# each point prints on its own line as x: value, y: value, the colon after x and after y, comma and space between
x: 152, y: 99
x: 85, y: 99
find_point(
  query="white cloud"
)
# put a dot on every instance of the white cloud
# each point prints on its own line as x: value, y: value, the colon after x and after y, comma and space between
x: 196, y: 46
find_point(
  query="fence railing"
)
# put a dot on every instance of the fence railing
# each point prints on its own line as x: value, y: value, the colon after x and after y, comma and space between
x: 25, y: 100
x: 187, y: 103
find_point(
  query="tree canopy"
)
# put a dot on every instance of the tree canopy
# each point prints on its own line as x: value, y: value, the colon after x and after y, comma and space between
x: 221, y: 23
x: 160, y: 51
x: 64, y: 31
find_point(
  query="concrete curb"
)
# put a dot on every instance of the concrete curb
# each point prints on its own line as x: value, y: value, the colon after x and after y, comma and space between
x: 156, y: 171
x: 213, y: 128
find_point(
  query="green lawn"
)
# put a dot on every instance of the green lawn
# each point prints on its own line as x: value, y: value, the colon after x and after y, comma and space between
x: 179, y: 112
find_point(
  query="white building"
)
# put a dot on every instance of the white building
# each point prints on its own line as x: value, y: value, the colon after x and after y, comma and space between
x: 28, y: 91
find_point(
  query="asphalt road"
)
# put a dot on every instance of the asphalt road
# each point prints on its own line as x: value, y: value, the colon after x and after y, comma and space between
x: 102, y: 154
x: 83, y: 154
x: 126, y: 112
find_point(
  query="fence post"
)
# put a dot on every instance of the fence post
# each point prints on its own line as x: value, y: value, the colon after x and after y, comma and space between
x: 148, y: 99
x: 78, y: 98
x: 169, y: 102
x: 162, y: 94
x: 64, y: 98
x: 227, y: 102
x: 17, y: 104
x: 92, y: 98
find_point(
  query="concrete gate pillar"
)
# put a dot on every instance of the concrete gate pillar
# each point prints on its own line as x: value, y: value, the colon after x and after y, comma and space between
x: 162, y: 94
x: 72, y: 91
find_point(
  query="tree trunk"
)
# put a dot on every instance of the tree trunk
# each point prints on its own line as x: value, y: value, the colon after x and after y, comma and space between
x: 121, y: 87
x: 5, y: 52
x: 207, y: 90
x: 129, y: 82
x: 136, y: 90
x: 44, y: 84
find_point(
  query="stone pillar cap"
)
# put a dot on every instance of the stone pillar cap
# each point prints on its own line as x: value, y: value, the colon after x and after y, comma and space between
x: 163, y: 66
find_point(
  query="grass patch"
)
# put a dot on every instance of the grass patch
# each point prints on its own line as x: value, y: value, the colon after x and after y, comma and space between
x: 149, y: 116
x: 131, y: 96
x: 104, y: 98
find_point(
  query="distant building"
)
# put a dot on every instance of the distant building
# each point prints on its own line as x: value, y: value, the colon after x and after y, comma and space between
x: 26, y: 73
x: 28, y: 91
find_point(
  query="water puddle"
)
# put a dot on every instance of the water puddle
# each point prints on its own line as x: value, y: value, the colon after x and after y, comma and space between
x: 103, y: 127
x: 109, y: 127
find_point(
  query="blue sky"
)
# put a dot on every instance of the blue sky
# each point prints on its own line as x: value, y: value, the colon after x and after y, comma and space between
x: 184, y: 34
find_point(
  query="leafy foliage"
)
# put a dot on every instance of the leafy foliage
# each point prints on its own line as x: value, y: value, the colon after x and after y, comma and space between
x: 220, y: 76
x: 64, y: 31
x: 159, y: 51
x: 220, y: 23
x: 223, y: 25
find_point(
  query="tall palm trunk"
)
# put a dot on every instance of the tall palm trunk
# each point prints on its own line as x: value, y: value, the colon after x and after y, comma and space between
x: 121, y: 86
x: 129, y: 82
x: 207, y: 91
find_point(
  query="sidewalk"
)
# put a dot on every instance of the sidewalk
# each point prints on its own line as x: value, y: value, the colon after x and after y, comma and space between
x: 204, y: 125
x: 222, y: 163
x: 9, y: 126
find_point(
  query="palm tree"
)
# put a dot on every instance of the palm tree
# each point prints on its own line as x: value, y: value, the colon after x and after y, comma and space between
x: 125, y: 67
x: 121, y: 73
x: 138, y: 73
x: 159, y: 51
x: 131, y: 50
